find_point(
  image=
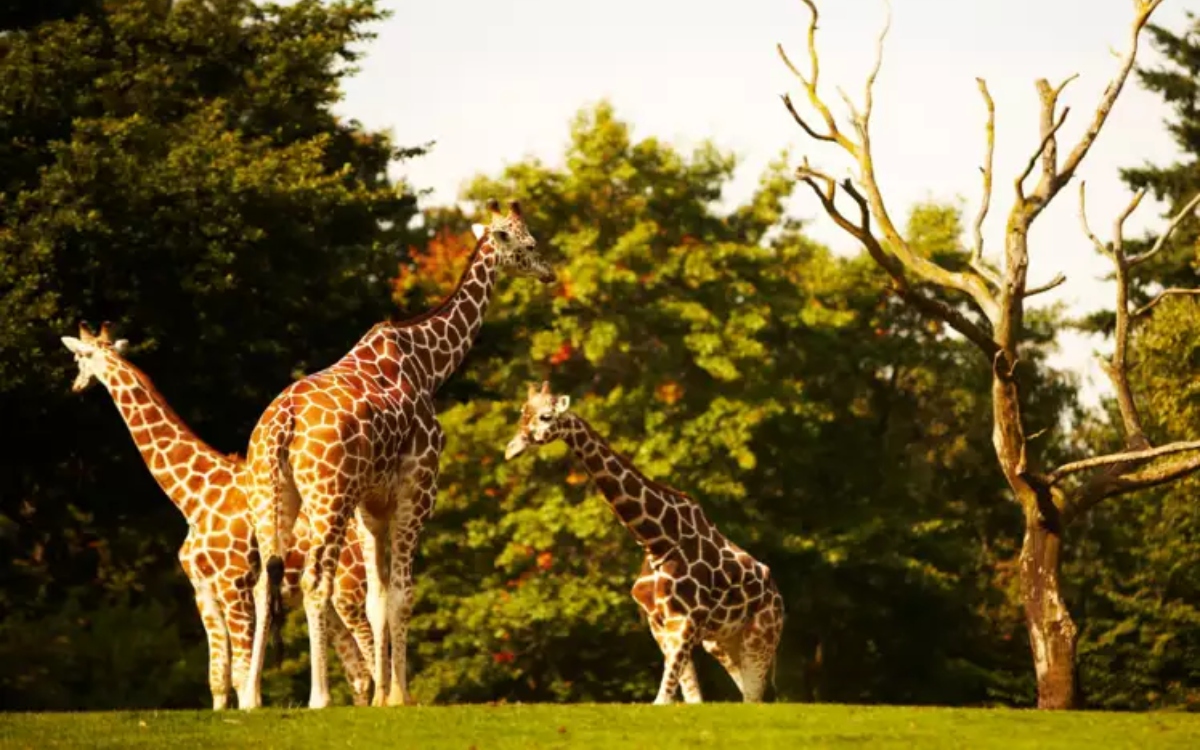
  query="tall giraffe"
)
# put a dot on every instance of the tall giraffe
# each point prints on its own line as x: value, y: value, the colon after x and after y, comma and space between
x: 695, y: 587
x: 220, y: 554
x: 362, y: 437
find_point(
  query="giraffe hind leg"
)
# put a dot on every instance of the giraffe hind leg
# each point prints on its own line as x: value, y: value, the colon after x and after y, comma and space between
x: 760, y: 641
x: 729, y: 655
x: 353, y: 663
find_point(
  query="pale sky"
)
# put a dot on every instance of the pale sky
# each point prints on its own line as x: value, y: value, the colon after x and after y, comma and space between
x: 493, y: 82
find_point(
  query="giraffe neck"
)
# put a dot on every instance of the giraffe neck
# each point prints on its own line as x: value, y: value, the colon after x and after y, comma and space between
x: 184, y: 466
x: 651, y: 512
x: 441, y: 338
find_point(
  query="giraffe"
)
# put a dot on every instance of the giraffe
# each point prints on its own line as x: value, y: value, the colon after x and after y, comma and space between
x: 361, y: 438
x: 695, y: 587
x: 219, y: 555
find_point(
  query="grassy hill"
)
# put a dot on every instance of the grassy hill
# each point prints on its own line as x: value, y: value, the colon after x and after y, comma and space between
x: 606, y: 726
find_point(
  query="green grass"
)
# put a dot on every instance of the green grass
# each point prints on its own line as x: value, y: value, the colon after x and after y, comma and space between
x: 605, y: 726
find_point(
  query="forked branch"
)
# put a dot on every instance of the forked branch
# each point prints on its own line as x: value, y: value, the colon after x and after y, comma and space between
x: 889, y: 244
x: 1127, y: 470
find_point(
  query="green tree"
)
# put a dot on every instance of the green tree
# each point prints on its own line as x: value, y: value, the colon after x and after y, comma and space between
x: 175, y: 168
x: 823, y: 426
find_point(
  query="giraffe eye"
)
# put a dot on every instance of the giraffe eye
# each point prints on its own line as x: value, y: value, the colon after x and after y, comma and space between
x: 544, y: 417
x: 502, y: 235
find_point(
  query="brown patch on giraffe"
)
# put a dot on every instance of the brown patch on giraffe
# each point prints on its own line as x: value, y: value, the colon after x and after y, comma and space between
x: 608, y: 486
x: 660, y: 546
x: 653, y: 504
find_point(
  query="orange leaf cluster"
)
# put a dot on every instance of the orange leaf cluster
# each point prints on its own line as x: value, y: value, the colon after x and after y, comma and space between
x: 545, y: 560
x: 435, y: 269
x: 576, y: 477
x: 669, y: 392
x: 562, y: 354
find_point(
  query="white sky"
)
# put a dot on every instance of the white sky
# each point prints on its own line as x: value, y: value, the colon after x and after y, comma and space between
x: 494, y: 82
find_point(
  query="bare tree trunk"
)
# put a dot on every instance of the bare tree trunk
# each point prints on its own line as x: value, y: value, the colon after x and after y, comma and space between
x: 1052, y: 632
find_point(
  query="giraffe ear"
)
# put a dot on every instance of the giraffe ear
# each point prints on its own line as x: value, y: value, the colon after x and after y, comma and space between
x: 75, y: 345
x: 477, y: 230
x: 531, y: 392
x: 562, y: 404
x: 120, y: 345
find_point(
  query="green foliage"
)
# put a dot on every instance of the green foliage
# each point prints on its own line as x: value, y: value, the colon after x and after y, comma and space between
x: 174, y: 168
x: 831, y: 432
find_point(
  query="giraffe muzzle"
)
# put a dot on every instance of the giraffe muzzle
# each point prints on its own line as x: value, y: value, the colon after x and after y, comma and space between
x: 515, y: 447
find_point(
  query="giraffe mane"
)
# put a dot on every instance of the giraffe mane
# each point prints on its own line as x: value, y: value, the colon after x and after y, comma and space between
x: 444, y: 304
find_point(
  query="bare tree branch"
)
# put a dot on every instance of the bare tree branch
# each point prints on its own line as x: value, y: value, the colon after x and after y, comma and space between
x: 1044, y: 150
x: 1124, y: 457
x: 1119, y: 484
x: 1118, y: 239
x: 1057, y: 281
x: 977, y: 261
x: 787, y: 102
x: 1087, y: 230
x: 1159, y: 298
x: 1048, y: 188
x: 1161, y: 242
x: 892, y: 245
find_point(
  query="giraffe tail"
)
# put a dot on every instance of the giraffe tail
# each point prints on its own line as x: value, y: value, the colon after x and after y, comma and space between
x: 275, y: 605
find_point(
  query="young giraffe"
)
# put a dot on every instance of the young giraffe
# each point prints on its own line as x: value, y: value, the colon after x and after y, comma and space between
x: 361, y: 436
x: 219, y: 554
x: 695, y: 587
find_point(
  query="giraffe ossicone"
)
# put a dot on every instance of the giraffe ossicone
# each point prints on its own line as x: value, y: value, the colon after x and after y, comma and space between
x: 361, y: 438
x: 219, y: 555
x: 696, y: 587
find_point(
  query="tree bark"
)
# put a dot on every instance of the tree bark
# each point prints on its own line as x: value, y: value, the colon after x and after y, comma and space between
x: 1052, y: 632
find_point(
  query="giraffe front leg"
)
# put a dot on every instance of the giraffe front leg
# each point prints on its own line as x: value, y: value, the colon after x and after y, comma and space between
x: 406, y: 530
x: 218, y: 644
x: 679, y: 638
x: 687, y: 678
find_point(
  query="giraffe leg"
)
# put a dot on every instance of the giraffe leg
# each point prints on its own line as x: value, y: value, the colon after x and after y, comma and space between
x: 729, y: 655
x: 320, y: 567
x: 374, y: 549
x: 350, y: 606
x: 239, y: 617
x: 680, y: 637
x: 279, y: 489
x: 353, y: 663
x: 406, y: 529
x: 218, y: 644
x: 760, y: 640
x: 687, y: 677
x: 418, y: 494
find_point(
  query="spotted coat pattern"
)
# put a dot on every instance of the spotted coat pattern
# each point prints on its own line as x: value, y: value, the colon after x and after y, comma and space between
x: 362, y: 437
x: 696, y: 587
x: 219, y: 555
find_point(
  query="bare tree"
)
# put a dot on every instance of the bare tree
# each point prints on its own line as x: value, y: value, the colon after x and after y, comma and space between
x: 993, y: 320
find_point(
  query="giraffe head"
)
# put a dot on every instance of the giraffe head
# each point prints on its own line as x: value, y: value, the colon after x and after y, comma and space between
x: 93, y: 354
x: 540, y: 420
x: 515, y: 246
